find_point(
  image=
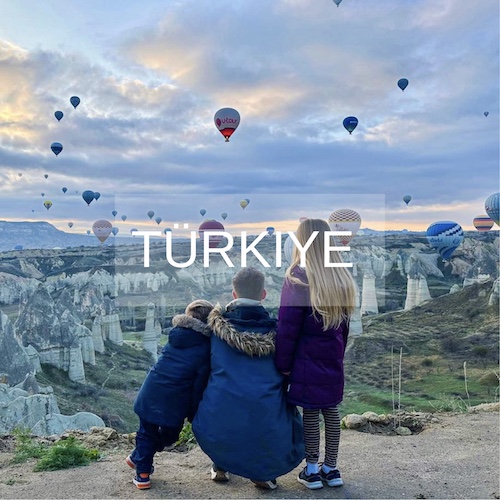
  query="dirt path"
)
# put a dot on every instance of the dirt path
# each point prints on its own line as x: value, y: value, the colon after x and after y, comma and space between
x: 459, y: 457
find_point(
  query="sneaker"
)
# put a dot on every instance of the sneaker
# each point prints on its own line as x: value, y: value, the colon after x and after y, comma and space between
x: 311, y: 481
x: 220, y: 476
x: 142, y: 481
x: 131, y: 464
x: 266, y: 485
x: 331, y: 478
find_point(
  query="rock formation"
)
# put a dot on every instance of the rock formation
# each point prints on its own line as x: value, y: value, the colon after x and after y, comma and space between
x: 55, y: 423
x: 150, y: 340
x: 15, y: 362
x: 369, y: 303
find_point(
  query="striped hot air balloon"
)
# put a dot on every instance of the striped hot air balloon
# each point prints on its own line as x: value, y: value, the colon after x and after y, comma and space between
x: 482, y: 223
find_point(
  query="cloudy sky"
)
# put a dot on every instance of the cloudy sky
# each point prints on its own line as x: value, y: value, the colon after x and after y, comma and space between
x: 152, y: 74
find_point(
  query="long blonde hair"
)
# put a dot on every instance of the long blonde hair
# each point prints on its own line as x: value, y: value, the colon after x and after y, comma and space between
x: 332, y: 289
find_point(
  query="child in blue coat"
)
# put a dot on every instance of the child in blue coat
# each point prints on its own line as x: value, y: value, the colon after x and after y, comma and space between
x: 172, y: 389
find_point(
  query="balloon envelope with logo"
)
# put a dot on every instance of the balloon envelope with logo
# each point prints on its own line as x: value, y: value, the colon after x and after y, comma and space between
x: 227, y: 120
x: 350, y: 123
x: 445, y: 236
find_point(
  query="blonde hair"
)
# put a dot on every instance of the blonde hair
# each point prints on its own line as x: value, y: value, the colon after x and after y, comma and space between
x: 199, y: 309
x: 332, y: 289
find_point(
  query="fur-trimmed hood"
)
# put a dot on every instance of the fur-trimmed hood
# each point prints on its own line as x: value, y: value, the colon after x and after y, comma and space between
x: 185, y: 321
x: 251, y: 343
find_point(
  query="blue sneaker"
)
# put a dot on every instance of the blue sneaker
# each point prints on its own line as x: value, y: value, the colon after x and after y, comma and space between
x: 142, y: 481
x: 311, y: 481
x: 131, y: 464
x: 331, y: 478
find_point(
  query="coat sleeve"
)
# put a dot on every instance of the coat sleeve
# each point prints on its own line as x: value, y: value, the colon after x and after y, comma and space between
x: 200, y: 383
x: 291, y: 315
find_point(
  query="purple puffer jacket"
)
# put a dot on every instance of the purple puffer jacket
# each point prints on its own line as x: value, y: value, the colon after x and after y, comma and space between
x: 314, y: 358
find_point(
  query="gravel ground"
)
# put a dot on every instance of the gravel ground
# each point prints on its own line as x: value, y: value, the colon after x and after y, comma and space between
x: 459, y: 457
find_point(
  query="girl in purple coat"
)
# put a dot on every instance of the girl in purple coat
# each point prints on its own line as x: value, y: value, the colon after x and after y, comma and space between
x: 313, y: 324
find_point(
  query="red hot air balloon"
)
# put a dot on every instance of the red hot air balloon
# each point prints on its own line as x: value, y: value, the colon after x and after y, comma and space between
x: 227, y: 121
x: 211, y: 225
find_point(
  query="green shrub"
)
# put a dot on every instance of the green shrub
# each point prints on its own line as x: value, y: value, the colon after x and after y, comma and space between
x: 186, y: 437
x: 25, y: 448
x: 66, y: 454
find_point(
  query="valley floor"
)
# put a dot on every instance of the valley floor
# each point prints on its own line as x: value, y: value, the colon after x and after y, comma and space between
x: 455, y: 458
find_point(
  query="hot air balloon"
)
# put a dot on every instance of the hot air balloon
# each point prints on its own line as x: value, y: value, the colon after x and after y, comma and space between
x: 97, y: 195
x: 70, y: 224
x: 167, y: 230
x: 270, y: 230
x: 88, y: 231
x: 124, y: 218
x: 59, y: 115
x: 203, y: 212
x: 288, y: 249
x: 75, y: 101
x: 20, y: 174
x: 132, y: 230
x: 223, y: 215
x: 403, y: 83
x: 243, y: 204
x: 88, y: 196
x: 337, y: 2
x: 114, y: 212
x: 47, y: 204
x: 211, y: 225
x: 151, y: 214
x: 344, y: 219
x: 350, y: 123
x: 486, y: 113
x: 18, y: 247
x: 64, y: 189
x: 483, y: 223
x: 158, y: 220
x: 46, y: 176
x: 407, y: 198
x: 43, y: 194
x: 102, y: 229
x: 227, y: 121
x: 115, y: 231
x: 492, y: 207
x: 56, y: 147
x: 445, y: 236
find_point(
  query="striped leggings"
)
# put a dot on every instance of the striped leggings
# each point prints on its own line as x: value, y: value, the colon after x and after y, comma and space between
x: 312, y: 435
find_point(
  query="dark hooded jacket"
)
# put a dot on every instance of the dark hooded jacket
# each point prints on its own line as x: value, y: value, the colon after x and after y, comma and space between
x: 314, y: 358
x: 173, y: 387
x: 244, y: 423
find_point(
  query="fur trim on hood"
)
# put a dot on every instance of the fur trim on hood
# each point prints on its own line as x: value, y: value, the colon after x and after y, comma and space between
x: 250, y: 343
x: 185, y: 321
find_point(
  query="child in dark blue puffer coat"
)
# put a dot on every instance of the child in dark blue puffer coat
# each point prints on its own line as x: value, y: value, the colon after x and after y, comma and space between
x: 172, y: 389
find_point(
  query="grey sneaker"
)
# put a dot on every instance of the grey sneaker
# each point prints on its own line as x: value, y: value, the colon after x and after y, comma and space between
x: 218, y: 475
x: 266, y: 485
x: 331, y: 478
